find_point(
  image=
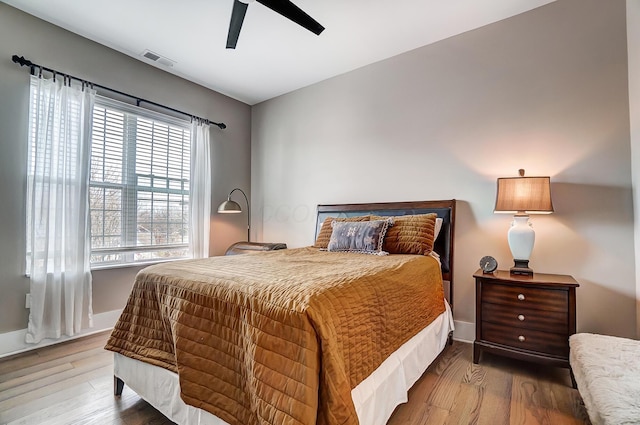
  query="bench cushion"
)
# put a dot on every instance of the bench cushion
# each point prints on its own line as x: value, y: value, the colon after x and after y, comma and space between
x: 607, y: 371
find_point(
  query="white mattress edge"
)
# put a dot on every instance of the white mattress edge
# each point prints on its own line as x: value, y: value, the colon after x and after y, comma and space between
x: 375, y: 398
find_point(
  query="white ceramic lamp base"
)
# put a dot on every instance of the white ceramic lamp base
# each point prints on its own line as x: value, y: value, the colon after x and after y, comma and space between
x: 521, y: 238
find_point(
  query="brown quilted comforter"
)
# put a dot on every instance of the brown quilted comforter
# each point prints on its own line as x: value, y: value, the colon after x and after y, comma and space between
x: 278, y: 337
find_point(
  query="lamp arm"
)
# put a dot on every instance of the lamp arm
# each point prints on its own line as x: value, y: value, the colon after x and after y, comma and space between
x: 248, y: 211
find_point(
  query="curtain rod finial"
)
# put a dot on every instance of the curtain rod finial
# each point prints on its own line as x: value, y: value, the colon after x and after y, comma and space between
x: 21, y: 60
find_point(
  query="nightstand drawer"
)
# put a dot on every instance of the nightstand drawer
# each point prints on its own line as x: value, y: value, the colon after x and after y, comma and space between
x: 522, y: 296
x: 527, y: 339
x: 521, y: 317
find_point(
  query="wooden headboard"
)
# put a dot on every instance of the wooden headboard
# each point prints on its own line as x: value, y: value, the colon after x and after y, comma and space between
x: 445, y: 209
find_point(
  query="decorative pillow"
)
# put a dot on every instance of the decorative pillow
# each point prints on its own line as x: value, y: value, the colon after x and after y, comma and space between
x: 364, y: 237
x: 437, y: 228
x: 322, y: 241
x: 410, y: 234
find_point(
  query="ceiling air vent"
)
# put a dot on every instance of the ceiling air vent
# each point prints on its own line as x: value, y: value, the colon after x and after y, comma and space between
x: 157, y: 58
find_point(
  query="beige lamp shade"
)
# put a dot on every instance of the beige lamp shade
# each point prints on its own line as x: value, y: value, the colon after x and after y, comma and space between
x: 524, y: 195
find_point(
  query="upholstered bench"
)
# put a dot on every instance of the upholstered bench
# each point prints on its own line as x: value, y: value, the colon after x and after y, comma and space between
x: 249, y: 247
x: 607, y: 372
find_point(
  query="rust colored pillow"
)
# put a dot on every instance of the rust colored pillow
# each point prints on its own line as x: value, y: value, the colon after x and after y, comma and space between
x: 410, y: 234
x: 322, y: 241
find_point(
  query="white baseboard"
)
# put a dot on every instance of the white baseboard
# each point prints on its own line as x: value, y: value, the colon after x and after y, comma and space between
x: 465, y: 331
x: 14, y: 342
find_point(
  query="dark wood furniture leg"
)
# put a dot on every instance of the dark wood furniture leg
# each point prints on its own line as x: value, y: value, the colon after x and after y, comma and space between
x: 118, y: 386
x: 574, y: 384
x: 476, y: 353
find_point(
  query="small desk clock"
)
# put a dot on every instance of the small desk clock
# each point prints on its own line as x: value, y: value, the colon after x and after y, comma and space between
x: 488, y: 264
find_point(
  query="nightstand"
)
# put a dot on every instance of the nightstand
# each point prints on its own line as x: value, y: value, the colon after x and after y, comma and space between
x: 525, y: 317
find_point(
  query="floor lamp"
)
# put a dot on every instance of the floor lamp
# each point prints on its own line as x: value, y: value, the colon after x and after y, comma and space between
x: 232, y: 207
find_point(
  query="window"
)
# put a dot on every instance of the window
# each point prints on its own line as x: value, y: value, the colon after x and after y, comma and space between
x: 139, y: 185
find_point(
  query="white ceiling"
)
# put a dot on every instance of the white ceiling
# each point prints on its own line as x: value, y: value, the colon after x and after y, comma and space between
x: 274, y: 56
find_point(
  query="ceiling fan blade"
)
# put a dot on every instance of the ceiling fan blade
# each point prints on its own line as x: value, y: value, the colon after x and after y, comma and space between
x: 235, y: 25
x: 294, y: 13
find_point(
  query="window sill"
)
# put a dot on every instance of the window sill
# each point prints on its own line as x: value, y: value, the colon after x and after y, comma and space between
x: 98, y: 267
x: 127, y: 265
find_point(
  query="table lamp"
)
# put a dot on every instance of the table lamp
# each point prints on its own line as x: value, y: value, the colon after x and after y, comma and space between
x: 522, y: 196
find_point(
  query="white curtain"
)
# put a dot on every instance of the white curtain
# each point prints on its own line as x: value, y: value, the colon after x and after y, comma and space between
x: 58, y: 235
x: 200, y: 190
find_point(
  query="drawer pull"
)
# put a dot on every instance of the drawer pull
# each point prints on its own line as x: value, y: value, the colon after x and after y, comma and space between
x: 521, y: 338
x: 521, y: 297
x: 521, y: 317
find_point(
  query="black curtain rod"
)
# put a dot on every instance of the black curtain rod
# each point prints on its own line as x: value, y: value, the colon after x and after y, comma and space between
x: 25, y: 62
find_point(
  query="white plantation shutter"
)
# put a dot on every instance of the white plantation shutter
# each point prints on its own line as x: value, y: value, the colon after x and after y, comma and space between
x: 139, y: 185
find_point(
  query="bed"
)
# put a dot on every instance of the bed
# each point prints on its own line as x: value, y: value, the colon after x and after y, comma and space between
x: 297, y: 336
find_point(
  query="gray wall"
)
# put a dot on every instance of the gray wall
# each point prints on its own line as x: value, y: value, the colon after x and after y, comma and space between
x: 56, y: 48
x: 633, y: 50
x: 545, y: 91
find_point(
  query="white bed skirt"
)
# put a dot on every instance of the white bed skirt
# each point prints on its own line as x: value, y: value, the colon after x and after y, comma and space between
x: 375, y: 398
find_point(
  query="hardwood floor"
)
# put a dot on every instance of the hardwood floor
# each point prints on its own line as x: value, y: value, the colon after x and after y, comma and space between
x: 496, y: 391
x: 72, y: 383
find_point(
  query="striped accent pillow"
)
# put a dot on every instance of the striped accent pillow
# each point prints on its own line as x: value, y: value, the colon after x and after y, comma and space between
x: 410, y: 234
